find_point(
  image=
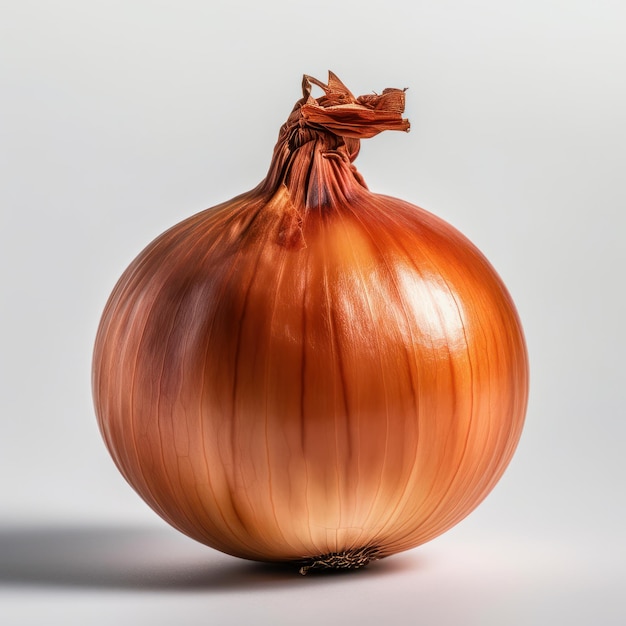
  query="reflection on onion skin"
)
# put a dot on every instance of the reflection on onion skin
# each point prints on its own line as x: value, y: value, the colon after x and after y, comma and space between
x: 312, y: 369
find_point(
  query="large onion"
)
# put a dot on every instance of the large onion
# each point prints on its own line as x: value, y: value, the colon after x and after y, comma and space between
x: 312, y: 372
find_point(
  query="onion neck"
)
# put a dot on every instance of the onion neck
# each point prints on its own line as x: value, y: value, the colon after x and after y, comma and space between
x: 321, y: 138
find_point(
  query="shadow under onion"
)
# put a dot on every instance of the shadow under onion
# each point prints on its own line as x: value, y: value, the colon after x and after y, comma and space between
x: 146, y: 559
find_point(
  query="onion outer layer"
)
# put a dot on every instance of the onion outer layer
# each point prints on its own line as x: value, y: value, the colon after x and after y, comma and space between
x: 312, y: 372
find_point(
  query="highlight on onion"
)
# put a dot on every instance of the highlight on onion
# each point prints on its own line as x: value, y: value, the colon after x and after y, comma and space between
x: 312, y: 372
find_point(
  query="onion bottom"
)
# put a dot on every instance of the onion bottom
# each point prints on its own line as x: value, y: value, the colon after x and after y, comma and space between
x: 348, y: 559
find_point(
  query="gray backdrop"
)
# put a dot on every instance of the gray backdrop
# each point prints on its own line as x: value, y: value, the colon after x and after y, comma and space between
x: 120, y: 118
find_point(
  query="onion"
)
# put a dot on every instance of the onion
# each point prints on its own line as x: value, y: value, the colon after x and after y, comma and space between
x: 312, y: 372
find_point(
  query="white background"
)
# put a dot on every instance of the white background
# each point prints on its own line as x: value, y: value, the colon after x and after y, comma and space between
x: 120, y: 118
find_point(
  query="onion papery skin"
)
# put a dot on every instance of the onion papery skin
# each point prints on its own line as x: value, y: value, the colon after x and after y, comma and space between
x: 311, y: 368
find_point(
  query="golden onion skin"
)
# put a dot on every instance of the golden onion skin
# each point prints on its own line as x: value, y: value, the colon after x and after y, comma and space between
x: 311, y: 369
